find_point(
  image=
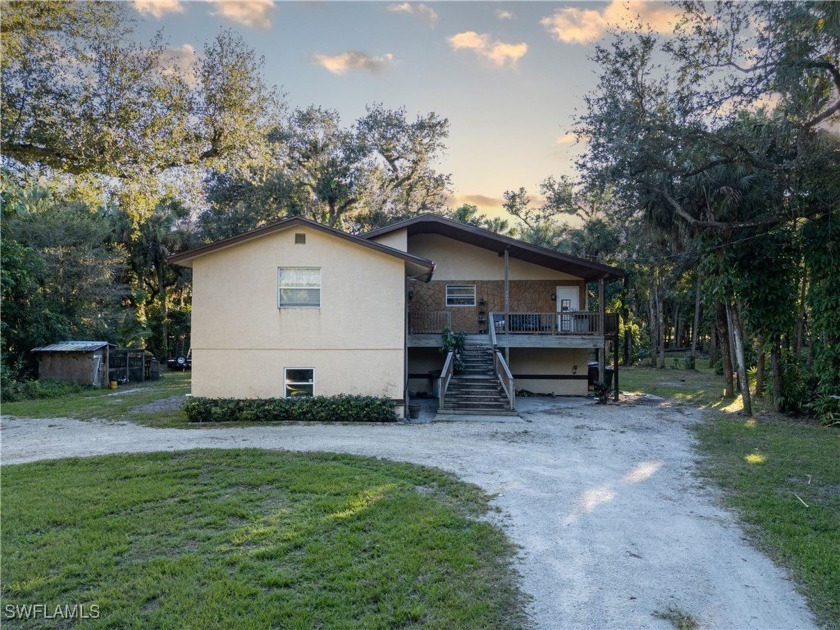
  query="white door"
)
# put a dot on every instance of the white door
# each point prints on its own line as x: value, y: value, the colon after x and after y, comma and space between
x: 568, y: 301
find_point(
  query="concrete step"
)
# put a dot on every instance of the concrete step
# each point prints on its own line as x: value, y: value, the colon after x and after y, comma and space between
x: 477, y: 412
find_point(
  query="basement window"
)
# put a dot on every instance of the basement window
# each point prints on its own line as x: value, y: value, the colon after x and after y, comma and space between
x: 298, y: 287
x: 299, y: 382
x: 460, y: 295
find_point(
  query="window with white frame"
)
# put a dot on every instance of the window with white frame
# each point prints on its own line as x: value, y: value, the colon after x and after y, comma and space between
x: 298, y: 287
x: 460, y: 295
x: 298, y: 382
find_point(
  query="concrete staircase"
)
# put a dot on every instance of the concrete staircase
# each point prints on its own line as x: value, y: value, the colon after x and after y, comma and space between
x: 476, y: 390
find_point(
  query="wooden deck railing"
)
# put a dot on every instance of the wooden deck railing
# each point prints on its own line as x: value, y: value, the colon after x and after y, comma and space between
x: 429, y: 321
x: 446, y: 376
x: 567, y: 323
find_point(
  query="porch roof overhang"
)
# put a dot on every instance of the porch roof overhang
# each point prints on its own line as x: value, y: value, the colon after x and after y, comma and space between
x: 434, y: 224
x: 415, y: 266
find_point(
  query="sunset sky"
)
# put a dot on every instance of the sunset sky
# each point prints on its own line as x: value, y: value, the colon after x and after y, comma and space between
x: 509, y: 76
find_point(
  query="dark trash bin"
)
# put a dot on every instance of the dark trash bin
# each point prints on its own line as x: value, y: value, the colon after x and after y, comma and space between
x: 593, y: 374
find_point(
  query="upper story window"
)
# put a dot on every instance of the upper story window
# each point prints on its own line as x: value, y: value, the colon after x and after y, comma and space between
x: 460, y: 295
x: 298, y: 287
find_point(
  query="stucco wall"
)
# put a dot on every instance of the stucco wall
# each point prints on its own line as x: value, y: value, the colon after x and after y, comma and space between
x: 397, y: 239
x: 456, y: 260
x: 554, y: 366
x: 242, y: 341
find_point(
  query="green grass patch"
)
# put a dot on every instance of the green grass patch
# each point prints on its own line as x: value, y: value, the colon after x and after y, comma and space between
x: 108, y: 404
x: 255, y: 539
x: 764, y: 466
x: 697, y: 388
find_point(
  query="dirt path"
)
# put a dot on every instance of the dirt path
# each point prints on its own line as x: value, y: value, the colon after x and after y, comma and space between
x: 613, y: 523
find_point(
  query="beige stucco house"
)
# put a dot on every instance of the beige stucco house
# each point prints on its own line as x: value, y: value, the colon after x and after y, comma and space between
x: 299, y: 308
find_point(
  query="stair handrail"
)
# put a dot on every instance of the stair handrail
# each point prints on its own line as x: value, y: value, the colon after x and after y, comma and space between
x: 500, y: 368
x: 491, y: 330
x: 445, y: 377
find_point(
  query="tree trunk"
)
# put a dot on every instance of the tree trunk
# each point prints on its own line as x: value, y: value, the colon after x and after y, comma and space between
x: 734, y: 318
x: 164, y: 312
x: 800, y: 320
x: 654, y: 335
x: 776, y: 366
x: 678, y: 326
x: 660, y: 308
x: 695, y: 328
x: 726, y: 355
x: 760, y: 360
x: 713, y: 346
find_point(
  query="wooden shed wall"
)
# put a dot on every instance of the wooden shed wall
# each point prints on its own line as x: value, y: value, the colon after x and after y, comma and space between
x: 84, y: 368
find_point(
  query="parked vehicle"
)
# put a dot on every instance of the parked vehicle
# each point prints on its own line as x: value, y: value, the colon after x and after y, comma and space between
x: 181, y: 362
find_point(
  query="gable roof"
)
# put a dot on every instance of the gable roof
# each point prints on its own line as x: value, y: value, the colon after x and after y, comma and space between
x: 435, y: 224
x: 417, y: 265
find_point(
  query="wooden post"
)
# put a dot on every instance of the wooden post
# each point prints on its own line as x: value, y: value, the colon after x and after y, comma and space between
x: 602, y: 352
x: 507, y: 304
x: 615, y: 363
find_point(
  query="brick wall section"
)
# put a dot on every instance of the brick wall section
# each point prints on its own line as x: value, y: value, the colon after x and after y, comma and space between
x: 526, y: 296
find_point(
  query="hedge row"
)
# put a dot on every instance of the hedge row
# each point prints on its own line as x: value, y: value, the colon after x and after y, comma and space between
x: 341, y: 408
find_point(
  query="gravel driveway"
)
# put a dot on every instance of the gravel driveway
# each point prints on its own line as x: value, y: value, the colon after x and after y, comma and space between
x: 613, y: 523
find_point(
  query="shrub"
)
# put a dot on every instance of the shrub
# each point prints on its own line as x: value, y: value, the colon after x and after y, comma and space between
x: 14, y: 390
x: 342, y: 408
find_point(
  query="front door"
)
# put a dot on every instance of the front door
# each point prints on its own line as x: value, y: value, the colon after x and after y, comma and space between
x: 568, y: 301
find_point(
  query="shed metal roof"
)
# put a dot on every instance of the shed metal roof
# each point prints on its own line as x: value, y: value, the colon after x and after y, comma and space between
x: 73, y: 346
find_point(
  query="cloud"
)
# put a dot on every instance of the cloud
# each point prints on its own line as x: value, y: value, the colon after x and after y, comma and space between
x: 582, y: 26
x: 180, y: 60
x: 498, y: 53
x: 253, y: 13
x: 421, y: 11
x: 482, y: 200
x: 568, y: 138
x: 158, y: 8
x: 354, y: 60
x: 503, y: 14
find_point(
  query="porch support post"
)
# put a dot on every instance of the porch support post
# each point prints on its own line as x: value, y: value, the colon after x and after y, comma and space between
x: 507, y: 305
x: 615, y: 363
x: 406, y: 332
x: 602, y: 352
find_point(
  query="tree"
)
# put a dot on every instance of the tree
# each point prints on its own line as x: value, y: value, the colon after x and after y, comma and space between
x: 468, y: 214
x: 724, y: 143
x: 80, y: 97
x: 60, y: 275
x: 378, y: 170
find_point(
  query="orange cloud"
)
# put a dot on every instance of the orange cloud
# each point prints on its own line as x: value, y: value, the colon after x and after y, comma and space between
x: 497, y: 52
x: 354, y: 60
x: 158, y: 8
x: 582, y: 26
x: 253, y: 13
x: 421, y: 11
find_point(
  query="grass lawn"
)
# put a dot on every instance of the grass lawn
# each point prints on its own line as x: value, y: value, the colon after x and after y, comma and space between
x: 254, y: 539
x: 108, y: 404
x: 762, y: 464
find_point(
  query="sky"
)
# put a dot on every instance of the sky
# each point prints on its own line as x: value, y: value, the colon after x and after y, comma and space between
x: 509, y: 76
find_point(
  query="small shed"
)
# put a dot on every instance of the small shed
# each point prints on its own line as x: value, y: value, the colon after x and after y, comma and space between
x: 82, y: 362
